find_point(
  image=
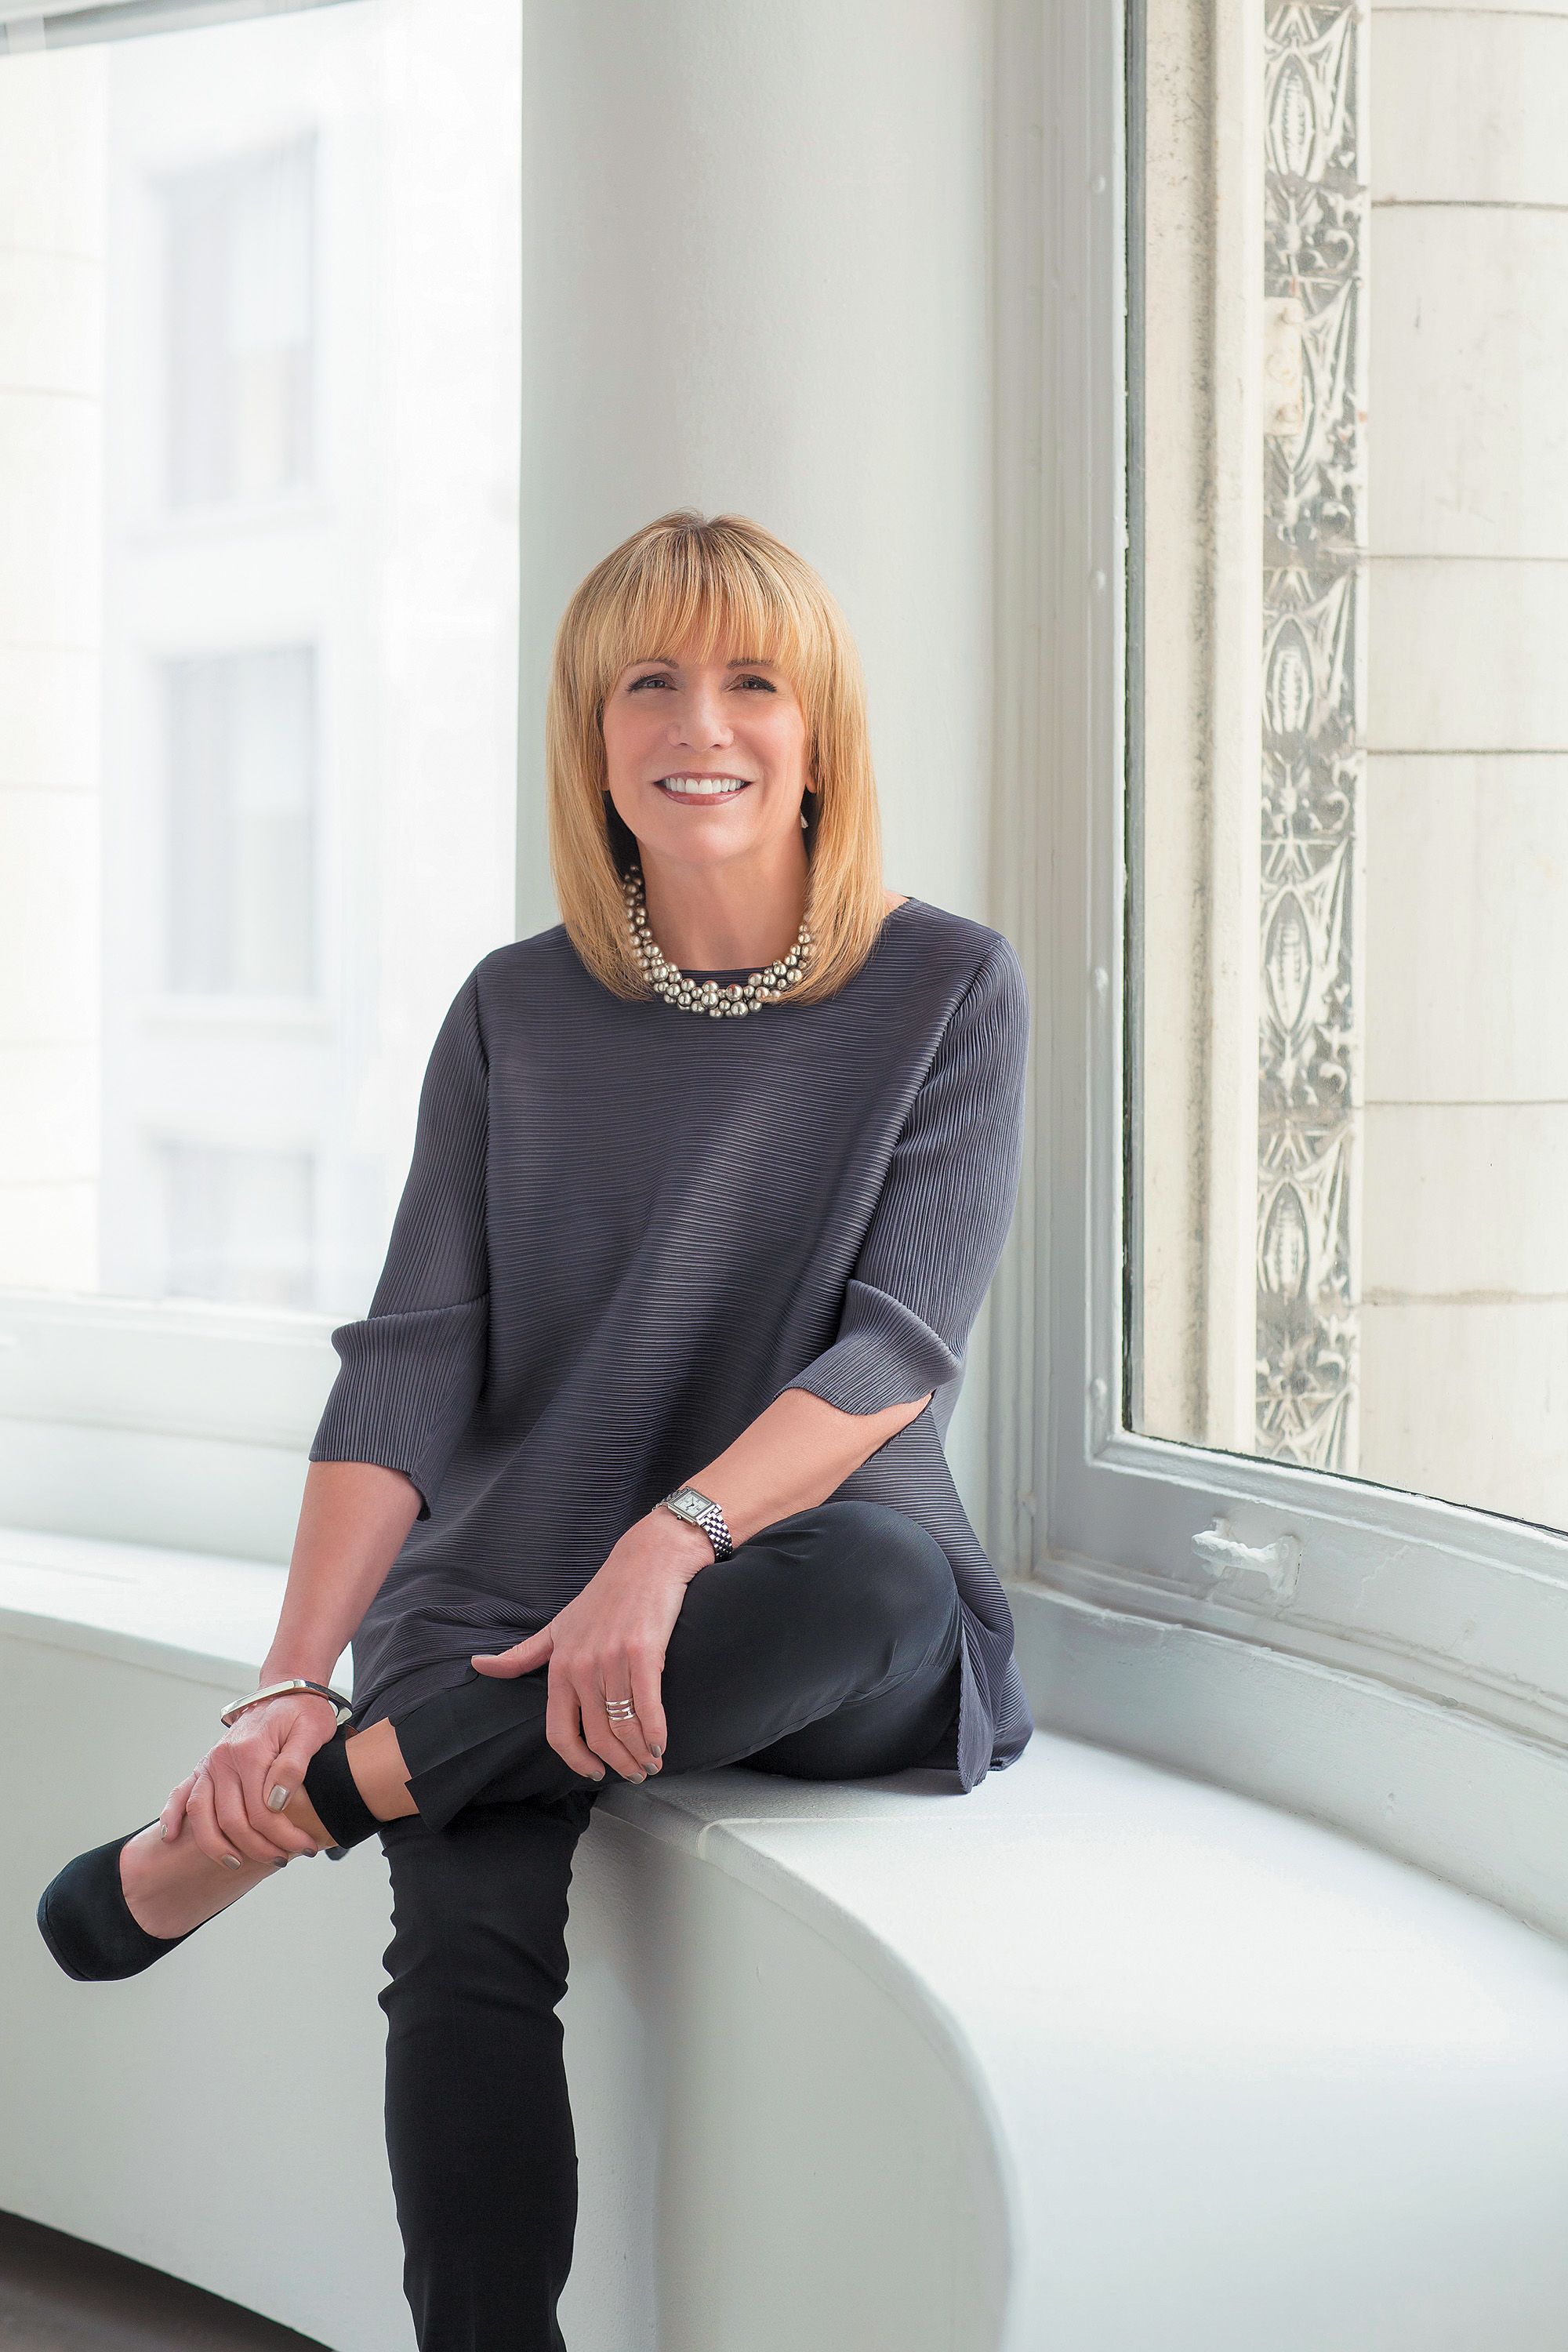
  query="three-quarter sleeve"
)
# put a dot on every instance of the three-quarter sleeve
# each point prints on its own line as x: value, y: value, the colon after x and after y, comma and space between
x: 942, y: 1215
x: 411, y: 1370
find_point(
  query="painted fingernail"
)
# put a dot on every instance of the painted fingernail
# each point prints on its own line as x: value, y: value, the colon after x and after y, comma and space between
x: 277, y: 1799
x: 656, y: 1751
x: 231, y: 1861
x: 656, y: 1766
x: 281, y: 1862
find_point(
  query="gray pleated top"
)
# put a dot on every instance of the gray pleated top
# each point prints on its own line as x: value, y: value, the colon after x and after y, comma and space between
x: 626, y: 1228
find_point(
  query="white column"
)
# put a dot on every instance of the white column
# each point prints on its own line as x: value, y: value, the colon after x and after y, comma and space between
x: 754, y: 279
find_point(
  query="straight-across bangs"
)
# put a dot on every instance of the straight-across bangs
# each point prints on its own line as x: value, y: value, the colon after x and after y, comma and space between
x: 718, y: 585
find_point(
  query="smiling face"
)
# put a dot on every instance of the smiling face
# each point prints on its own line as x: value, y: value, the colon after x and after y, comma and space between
x: 706, y: 756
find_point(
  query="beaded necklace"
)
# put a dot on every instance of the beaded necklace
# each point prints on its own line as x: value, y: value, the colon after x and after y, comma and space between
x: 764, y: 986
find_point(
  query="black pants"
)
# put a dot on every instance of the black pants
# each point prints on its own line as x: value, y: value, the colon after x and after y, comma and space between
x: 827, y: 1649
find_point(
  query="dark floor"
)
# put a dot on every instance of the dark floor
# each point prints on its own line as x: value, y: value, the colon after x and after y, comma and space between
x: 58, y: 2295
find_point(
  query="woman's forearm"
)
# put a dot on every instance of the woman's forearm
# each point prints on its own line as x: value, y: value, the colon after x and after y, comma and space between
x: 354, y: 1518
x: 795, y: 1453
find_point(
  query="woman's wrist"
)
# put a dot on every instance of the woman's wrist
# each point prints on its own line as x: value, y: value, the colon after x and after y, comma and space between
x: 689, y: 1545
x: 284, y: 1669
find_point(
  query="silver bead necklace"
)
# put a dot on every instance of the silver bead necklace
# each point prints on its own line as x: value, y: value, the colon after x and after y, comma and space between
x: 764, y: 986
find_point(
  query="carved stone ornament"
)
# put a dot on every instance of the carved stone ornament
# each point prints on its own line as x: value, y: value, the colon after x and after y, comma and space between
x: 1314, y: 758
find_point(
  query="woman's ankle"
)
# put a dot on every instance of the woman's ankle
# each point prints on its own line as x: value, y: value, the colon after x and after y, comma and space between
x: 380, y: 1774
x: 356, y: 1784
x: 304, y: 1816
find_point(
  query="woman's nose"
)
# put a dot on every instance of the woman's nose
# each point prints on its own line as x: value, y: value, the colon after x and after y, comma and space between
x: 701, y: 719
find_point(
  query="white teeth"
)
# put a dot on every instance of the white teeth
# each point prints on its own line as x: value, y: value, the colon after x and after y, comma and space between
x: 707, y: 787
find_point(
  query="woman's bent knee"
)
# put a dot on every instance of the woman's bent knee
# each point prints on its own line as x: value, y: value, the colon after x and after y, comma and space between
x: 890, y: 1570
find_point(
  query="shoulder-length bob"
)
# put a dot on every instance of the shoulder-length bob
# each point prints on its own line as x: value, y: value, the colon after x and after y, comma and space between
x: 722, y: 582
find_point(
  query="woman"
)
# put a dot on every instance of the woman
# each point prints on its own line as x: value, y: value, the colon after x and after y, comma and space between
x: 636, y: 1463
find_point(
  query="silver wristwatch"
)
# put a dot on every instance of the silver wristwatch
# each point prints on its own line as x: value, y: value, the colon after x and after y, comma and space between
x: 699, y: 1510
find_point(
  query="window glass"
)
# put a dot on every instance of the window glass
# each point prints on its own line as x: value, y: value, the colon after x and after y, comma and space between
x: 259, y: 344
x: 237, y: 1224
x: 240, y: 254
x: 239, y: 823
x: 1347, y: 1119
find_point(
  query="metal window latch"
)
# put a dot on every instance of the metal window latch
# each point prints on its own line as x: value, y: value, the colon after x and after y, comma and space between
x: 1255, y: 1571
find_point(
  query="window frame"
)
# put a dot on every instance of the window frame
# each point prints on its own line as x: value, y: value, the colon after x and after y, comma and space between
x: 175, y: 1422
x: 27, y: 25
x: 1379, y: 1598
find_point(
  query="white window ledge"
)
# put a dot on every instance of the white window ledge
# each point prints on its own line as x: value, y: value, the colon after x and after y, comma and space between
x: 198, y: 1616
x: 1096, y: 2054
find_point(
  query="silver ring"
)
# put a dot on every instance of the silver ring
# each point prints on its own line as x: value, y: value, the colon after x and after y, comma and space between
x: 620, y: 1710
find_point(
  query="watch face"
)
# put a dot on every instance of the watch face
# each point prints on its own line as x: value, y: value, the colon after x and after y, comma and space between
x: 686, y: 1499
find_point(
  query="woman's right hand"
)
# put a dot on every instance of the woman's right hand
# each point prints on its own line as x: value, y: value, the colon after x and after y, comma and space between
x: 224, y: 1799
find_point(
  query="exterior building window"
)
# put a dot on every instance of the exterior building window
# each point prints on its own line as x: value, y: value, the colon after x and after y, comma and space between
x: 258, y: 626
x: 240, y: 823
x: 238, y: 1225
x: 240, y: 328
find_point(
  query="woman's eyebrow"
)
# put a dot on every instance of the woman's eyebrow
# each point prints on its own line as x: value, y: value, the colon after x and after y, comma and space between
x: 741, y: 661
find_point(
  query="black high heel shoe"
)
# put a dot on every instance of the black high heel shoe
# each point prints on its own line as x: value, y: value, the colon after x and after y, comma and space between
x: 91, y: 1930
x: 88, y: 1924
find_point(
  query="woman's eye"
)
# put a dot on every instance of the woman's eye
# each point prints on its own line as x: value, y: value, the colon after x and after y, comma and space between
x: 658, y: 677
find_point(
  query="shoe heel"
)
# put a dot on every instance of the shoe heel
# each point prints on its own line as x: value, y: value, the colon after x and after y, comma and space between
x: 90, y: 1930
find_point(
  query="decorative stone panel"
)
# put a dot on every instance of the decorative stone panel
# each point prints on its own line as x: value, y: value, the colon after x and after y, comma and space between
x: 1314, y: 698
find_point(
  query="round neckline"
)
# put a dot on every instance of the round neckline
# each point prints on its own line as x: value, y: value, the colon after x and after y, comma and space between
x: 744, y: 971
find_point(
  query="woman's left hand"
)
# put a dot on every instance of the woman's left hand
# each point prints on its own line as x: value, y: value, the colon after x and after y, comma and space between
x: 609, y: 1642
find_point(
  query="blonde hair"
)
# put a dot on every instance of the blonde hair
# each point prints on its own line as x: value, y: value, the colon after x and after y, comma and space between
x: 721, y: 581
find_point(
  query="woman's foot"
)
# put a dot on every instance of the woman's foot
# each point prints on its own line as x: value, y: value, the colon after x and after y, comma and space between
x: 170, y: 1886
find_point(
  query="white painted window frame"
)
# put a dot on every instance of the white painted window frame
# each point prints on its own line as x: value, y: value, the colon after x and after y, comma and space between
x: 175, y: 1421
x: 1406, y: 1618
x: 61, y: 24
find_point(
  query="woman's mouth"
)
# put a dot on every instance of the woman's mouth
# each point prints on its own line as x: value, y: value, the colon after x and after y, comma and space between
x: 701, y: 792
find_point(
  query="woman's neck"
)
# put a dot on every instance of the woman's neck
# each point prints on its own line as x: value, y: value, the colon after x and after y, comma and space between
x: 724, y: 939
